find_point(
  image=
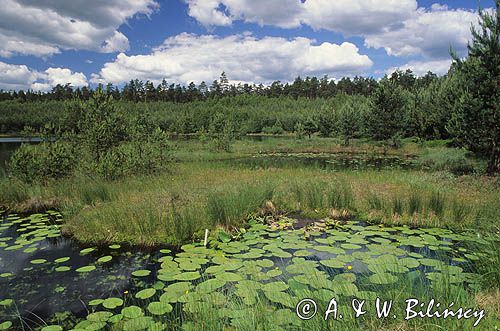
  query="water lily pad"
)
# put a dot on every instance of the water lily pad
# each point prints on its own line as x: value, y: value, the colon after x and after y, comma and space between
x: 100, y: 316
x: 62, y: 269
x: 132, y: 312
x: 229, y: 277
x: 52, y: 328
x: 274, y: 273
x: 174, y: 291
x: 382, y: 278
x: 139, y: 323
x: 275, y: 286
x: 96, y: 302
x: 141, y: 273
x: 5, y: 325
x: 38, y: 261
x: 105, y: 259
x: 333, y: 263
x: 282, y: 298
x: 62, y: 260
x: 145, y: 294
x: 210, y: 285
x: 187, y: 276
x: 114, y: 246
x: 112, y: 303
x: 6, y: 302
x: 87, y: 251
x: 86, y: 269
x: 350, y: 246
x: 159, y: 308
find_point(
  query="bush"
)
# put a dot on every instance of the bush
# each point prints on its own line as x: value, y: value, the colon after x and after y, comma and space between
x: 38, y: 163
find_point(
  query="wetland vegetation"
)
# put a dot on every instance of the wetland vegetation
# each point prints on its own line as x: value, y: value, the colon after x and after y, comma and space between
x: 316, y: 189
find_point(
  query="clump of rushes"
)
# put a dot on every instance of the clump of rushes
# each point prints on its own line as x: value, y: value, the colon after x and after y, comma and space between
x: 414, y: 204
x: 436, y: 204
x: 397, y: 206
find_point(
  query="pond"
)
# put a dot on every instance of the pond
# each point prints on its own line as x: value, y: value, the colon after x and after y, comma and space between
x: 326, y: 161
x: 46, y: 278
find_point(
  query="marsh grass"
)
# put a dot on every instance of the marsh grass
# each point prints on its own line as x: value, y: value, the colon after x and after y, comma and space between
x: 98, y: 192
x: 12, y: 192
x: 397, y: 206
x: 436, y: 203
x: 375, y: 202
x: 230, y: 208
x: 460, y: 211
x: 415, y: 204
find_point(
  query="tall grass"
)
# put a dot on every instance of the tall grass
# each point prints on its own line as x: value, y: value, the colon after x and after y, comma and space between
x: 320, y: 194
x: 12, y: 192
x: 415, y: 204
x: 230, y: 209
x: 397, y: 206
x: 436, y: 204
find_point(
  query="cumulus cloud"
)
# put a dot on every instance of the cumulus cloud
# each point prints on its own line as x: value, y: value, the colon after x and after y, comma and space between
x: 427, y: 33
x: 20, y: 77
x: 44, y: 27
x: 398, y: 26
x: 187, y: 57
x: 348, y: 16
x: 420, y: 68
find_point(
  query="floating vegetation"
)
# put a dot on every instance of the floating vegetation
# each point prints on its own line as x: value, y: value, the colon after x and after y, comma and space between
x: 269, y: 267
x: 86, y: 269
x: 141, y: 273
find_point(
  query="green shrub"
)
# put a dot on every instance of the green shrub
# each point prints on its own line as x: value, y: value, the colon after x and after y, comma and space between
x: 38, y: 163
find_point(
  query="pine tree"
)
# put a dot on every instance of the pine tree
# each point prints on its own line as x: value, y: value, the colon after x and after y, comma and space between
x: 476, y: 122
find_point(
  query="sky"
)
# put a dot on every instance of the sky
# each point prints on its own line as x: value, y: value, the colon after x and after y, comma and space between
x: 86, y: 42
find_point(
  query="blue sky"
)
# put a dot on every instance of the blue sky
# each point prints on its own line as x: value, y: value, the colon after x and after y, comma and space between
x: 46, y: 42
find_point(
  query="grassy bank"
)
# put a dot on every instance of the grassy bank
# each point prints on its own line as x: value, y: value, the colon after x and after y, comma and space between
x: 171, y: 208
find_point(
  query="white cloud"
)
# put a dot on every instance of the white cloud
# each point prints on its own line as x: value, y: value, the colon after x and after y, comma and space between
x: 20, y: 77
x: 348, y: 16
x: 187, y: 57
x: 357, y: 17
x: 427, y: 33
x: 420, y: 68
x: 398, y: 26
x: 15, y: 77
x: 44, y: 27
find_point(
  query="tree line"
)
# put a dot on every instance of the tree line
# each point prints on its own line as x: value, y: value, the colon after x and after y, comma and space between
x: 139, y: 91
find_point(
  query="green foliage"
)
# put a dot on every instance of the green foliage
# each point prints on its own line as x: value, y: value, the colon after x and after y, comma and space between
x: 38, y: 163
x: 349, y: 121
x: 277, y: 128
x: 222, y: 132
x: 475, y: 124
x: 389, y: 104
x: 299, y: 131
x: 107, y: 143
